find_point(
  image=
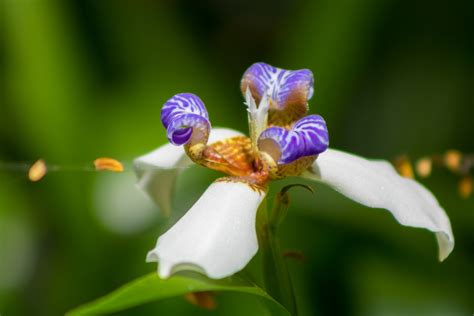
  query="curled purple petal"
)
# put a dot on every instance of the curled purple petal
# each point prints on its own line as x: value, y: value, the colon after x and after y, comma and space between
x: 308, y: 137
x: 184, y: 116
x: 284, y: 87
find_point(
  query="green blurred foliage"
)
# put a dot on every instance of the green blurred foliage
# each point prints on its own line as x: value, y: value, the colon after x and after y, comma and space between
x: 82, y: 79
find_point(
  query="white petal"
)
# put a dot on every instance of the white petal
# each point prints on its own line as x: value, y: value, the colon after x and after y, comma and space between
x: 216, y: 236
x: 157, y: 170
x: 376, y: 184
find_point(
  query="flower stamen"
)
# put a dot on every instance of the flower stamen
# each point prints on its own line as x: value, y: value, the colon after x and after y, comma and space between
x: 257, y: 116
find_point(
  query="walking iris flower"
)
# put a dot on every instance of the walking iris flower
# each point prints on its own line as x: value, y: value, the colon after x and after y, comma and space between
x: 217, y: 236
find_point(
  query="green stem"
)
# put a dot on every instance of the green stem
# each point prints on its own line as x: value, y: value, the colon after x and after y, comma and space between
x: 275, y: 270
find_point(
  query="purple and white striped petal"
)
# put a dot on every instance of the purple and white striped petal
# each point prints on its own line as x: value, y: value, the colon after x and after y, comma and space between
x: 308, y: 137
x: 185, y: 118
x: 284, y: 87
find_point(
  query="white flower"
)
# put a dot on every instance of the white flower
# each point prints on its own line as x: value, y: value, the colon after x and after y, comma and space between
x: 217, y: 235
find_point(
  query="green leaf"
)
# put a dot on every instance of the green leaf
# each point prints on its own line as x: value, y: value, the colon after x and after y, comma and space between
x: 151, y: 288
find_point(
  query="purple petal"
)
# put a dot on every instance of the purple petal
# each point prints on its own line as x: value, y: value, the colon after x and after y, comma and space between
x: 185, y: 116
x: 308, y: 137
x: 283, y: 86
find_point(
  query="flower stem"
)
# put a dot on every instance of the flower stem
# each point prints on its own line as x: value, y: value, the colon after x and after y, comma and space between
x: 275, y: 270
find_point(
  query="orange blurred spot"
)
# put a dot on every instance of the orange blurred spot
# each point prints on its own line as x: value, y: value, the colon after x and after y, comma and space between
x: 452, y: 159
x: 423, y: 167
x: 108, y: 164
x: 403, y: 166
x: 465, y: 186
x: 202, y: 299
x: 37, y: 170
x: 297, y: 255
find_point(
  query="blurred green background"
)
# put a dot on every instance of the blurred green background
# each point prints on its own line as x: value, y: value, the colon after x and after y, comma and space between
x: 82, y: 79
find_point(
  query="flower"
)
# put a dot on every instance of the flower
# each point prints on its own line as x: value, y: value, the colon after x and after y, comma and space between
x: 217, y: 235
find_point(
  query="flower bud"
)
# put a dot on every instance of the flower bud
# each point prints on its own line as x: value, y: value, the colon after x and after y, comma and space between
x: 108, y: 164
x: 204, y: 300
x: 465, y: 186
x: 452, y: 159
x: 423, y: 167
x: 37, y: 170
x: 403, y: 166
